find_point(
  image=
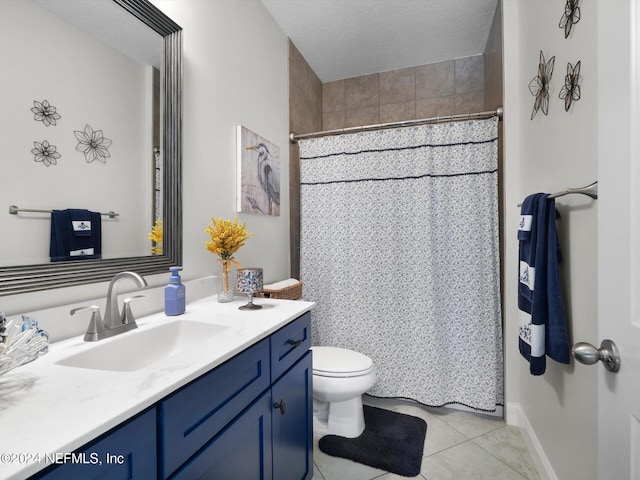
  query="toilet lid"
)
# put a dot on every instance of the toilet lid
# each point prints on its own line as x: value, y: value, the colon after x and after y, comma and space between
x: 335, y: 362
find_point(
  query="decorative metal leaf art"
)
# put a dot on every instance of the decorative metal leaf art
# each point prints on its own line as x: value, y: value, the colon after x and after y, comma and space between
x: 93, y: 144
x: 539, y: 86
x: 571, y: 89
x: 45, y: 152
x: 570, y: 17
x: 45, y: 113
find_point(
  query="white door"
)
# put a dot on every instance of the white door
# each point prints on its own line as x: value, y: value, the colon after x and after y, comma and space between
x: 619, y: 236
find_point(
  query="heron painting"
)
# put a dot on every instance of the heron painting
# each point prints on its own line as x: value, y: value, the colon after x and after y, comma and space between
x: 258, y: 174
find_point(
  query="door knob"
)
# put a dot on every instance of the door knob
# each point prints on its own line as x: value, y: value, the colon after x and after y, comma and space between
x: 608, y: 354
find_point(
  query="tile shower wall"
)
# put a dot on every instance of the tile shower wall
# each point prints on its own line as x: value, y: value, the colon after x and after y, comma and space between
x: 438, y: 89
x: 494, y: 93
x: 464, y: 85
x: 305, y: 116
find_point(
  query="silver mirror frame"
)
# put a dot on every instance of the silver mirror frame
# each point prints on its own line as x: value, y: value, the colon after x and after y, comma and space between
x: 33, y: 278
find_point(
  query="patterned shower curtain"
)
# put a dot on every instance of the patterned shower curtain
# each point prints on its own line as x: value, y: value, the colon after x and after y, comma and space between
x: 400, y: 252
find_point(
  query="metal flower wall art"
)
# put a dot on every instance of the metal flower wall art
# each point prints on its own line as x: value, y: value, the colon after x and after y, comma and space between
x: 45, y: 152
x: 570, y: 17
x: 571, y: 90
x: 539, y: 86
x: 45, y: 112
x: 93, y: 144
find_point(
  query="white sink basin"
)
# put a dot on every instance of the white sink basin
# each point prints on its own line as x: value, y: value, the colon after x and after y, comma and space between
x: 143, y: 346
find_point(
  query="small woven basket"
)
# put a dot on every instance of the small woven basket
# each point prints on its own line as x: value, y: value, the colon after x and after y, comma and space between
x: 293, y: 292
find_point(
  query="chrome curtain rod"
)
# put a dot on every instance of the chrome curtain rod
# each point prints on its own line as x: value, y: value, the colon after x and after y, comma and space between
x: 498, y: 112
x: 590, y: 190
x: 13, y: 210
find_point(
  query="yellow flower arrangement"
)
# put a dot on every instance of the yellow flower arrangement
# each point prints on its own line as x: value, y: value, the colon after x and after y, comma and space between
x: 156, y: 235
x: 226, y: 238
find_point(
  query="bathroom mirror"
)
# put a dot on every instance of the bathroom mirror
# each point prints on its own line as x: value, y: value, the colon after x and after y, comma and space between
x: 25, y: 277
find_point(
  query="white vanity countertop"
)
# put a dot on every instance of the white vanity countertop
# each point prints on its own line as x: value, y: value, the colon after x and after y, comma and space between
x: 52, y: 409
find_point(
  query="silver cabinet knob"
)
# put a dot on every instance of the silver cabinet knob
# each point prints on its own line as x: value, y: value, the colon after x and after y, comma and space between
x: 608, y: 354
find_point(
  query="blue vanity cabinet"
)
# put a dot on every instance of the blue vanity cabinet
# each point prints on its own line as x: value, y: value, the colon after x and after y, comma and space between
x: 270, y: 438
x: 126, y: 452
x: 249, y: 418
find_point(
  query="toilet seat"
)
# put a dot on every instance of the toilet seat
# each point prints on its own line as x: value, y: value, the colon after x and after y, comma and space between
x: 340, y: 362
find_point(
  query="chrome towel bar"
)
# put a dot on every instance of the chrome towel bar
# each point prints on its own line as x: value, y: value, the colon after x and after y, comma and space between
x: 588, y: 190
x: 13, y: 210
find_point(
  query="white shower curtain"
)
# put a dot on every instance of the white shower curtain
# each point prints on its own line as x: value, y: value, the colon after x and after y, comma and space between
x: 399, y: 249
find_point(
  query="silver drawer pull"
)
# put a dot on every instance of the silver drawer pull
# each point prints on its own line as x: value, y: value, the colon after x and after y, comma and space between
x: 294, y: 343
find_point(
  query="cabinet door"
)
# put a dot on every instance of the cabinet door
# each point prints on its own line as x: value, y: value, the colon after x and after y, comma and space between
x: 127, y: 452
x: 198, y: 412
x: 241, y: 451
x: 293, y: 423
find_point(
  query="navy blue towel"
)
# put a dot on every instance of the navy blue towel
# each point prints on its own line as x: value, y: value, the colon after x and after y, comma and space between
x: 542, y: 315
x: 81, y: 221
x: 75, y: 235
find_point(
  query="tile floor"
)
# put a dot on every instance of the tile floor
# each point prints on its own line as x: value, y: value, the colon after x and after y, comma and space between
x: 459, y: 446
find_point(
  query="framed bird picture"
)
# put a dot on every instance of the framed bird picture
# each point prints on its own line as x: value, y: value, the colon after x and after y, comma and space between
x: 258, y: 173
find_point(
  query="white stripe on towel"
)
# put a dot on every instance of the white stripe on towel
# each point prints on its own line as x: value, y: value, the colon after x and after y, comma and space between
x: 525, y: 223
x: 527, y: 275
x: 85, y: 251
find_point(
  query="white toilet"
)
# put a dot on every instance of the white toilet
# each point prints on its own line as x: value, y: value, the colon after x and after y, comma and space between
x: 340, y: 377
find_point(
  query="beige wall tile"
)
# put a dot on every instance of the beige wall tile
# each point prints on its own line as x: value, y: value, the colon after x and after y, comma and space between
x: 362, y: 116
x: 333, y: 96
x: 435, y: 80
x: 305, y: 115
x: 471, y: 102
x: 333, y: 120
x: 435, y: 107
x: 300, y: 73
x: 469, y: 74
x: 398, y: 86
x: 397, y: 112
x: 362, y: 92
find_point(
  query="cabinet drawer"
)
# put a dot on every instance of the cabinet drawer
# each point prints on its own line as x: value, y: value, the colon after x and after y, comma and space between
x: 195, y: 414
x: 289, y: 344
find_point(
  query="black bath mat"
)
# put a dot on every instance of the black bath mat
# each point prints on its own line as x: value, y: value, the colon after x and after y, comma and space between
x: 391, y: 441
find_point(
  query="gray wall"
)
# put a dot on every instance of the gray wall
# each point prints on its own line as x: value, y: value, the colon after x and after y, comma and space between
x: 549, y: 154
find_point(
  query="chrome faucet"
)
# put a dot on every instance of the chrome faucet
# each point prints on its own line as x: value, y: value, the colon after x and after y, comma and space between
x: 112, y: 316
x: 115, y: 322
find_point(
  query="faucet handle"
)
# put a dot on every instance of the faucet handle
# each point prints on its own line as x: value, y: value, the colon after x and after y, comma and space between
x: 127, y: 314
x: 95, y: 324
x: 93, y: 308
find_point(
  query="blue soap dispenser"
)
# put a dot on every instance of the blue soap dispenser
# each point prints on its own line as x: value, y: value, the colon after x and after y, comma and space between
x: 174, y: 294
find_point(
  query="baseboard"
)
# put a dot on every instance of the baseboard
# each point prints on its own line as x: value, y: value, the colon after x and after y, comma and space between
x: 517, y: 418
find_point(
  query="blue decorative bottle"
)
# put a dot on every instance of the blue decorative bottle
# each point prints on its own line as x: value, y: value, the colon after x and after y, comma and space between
x: 174, y: 294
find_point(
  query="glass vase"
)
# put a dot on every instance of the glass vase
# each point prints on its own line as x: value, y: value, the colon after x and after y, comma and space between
x: 225, y: 295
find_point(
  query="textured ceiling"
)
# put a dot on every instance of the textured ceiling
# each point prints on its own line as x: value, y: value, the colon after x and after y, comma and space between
x: 347, y: 38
